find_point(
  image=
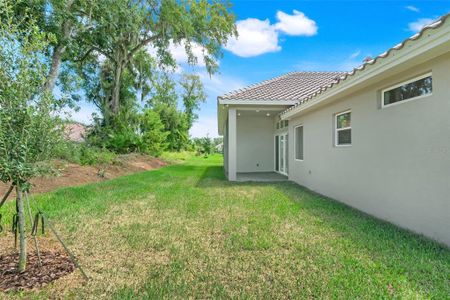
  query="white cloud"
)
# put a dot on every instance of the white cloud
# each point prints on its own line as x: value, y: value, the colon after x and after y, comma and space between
x: 412, y: 8
x: 296, y: 24
x: 355, y: 54
x: 255, y: 38
x: 179, y: 53
x: 417, y: 25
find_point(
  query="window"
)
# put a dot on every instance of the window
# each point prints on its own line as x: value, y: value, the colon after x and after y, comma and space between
x: 299, y: 142
x: 415, y: 88
x: 343, y: 132
x: 282, y: 124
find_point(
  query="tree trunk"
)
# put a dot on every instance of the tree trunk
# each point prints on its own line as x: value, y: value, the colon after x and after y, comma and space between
x: 54, y: 68
x: 22, y: 233
x: 115, y: 95
x: 59, y: 51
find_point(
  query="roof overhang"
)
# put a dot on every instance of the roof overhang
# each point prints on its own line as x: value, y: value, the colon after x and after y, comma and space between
x: 223, y: 106
x: 432, y: 44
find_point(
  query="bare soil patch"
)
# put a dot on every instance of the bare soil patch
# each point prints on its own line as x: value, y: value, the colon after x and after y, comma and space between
x: 55, y: 264
x: 73, y: 174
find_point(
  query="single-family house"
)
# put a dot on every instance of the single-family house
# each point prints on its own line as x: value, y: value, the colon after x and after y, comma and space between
x: 376, y: 138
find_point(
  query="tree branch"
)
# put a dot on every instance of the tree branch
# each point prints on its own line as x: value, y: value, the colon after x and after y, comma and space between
x: 6, y: 195
x: 93, y: 48
x: 143, y: 43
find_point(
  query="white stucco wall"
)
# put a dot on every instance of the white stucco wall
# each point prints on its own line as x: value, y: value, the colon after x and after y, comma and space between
x: 398, y: 167
x: 255, y: 144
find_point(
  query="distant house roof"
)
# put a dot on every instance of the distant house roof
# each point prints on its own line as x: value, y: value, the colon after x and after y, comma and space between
x: 291, y: 86
x: 75, y: 132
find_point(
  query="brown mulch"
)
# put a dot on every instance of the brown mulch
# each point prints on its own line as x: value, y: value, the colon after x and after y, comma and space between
x: 55, y: 265
x: 73, y: 174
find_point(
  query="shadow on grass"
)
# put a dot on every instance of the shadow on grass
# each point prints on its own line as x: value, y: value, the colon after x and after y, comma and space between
x: 351, y: 225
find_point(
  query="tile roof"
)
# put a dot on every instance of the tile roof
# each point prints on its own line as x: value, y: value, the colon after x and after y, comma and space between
x: 434, y: 25
x: 291, y: 86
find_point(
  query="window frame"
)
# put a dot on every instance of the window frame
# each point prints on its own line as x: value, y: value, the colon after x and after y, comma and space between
x: 336, y: 129
x: 417, y: 78
x: 295, y: 142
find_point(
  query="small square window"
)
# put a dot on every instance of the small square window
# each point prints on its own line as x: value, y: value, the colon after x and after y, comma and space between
x: 343, y: 129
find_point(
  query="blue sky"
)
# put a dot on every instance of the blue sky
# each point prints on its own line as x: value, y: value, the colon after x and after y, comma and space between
x: 283, y: 36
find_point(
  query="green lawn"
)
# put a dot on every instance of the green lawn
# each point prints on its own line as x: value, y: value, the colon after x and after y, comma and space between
x: 184, y: 232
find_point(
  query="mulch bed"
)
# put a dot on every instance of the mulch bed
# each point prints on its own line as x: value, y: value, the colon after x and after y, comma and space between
x: 54, y: 265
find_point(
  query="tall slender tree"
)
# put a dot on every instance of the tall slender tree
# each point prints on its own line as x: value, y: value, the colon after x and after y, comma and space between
x: 28, y: 126
x: 192, y: 95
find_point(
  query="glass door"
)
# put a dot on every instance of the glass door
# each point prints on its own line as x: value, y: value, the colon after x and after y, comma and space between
x: 277, y: 153
x: 282, y: 158
x: 281, y: 153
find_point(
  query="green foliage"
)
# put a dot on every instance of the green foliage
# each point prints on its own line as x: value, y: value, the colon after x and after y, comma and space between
x: 28, y: 126
x: 176, y: 125
x: 118, y: 31
x: 153, y: 135
x: 192, y: 96
x: 83, y: 154
x: 131, y: 132
x: 204, y: 146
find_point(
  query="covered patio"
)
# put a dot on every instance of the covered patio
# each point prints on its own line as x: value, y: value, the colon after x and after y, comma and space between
x: 252, y: 139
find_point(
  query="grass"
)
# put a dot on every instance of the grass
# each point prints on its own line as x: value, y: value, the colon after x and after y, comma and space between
x: 185, y: 232
x: 177, y: 157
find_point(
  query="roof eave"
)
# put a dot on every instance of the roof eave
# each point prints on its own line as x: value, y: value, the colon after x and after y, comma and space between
x: 371, y: 71
x: 222, y: 103
x: 257, y: 101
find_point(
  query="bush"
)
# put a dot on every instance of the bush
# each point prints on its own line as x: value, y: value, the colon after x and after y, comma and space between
x: 83, y: 154
x: 142, y: 132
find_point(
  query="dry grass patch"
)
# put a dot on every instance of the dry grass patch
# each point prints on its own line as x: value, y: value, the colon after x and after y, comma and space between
x: 183, y: 232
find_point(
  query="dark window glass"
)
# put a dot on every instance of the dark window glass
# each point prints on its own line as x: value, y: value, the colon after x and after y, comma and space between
x: 299, y: 142
x: 417, y: 88
x: 344, y: 137
x: 343, y: 120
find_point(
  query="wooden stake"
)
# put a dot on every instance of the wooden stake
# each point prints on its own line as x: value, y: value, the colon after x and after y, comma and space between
x: 36, y: 244
x: 22, y: 233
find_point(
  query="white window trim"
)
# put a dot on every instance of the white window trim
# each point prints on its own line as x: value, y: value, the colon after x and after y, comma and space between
x: 336, y: 129
x: 429, y: 74
x: 295, y: 142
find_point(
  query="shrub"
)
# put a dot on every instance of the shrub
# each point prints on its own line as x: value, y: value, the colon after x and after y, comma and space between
x: 84, y: 154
